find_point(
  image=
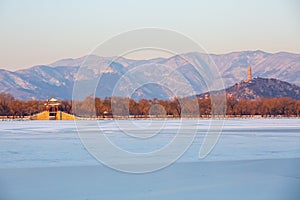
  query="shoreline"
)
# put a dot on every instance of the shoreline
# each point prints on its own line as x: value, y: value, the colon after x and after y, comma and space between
x: 29, y: 118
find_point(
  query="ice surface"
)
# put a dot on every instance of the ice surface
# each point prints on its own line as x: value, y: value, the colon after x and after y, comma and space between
x: 56, y: 143
x: 254, y: 159
x: 233, y: 180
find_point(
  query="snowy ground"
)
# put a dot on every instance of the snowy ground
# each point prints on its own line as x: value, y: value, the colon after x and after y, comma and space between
x: 253, y: 159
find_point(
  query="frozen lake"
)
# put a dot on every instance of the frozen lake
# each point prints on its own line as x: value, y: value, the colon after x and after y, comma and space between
x: 56, y: 143
x: 253, y: 159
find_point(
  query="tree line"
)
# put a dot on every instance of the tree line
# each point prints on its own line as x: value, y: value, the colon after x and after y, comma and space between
x: 177, y: 107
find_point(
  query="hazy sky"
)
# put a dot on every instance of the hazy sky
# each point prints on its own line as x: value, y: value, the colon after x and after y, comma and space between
x: 41, y: 32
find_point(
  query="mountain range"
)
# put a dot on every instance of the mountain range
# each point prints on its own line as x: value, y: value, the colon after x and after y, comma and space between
x: 57, y: 79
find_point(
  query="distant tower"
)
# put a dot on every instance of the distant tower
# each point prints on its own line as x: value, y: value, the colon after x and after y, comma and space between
x: 249, y: 76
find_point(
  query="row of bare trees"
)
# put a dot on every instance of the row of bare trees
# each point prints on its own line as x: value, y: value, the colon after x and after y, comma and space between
x: 200, y: 107
x: 117, y: 106
x: 266, y: 107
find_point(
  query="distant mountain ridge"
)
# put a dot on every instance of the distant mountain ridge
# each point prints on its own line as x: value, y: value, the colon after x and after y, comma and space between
x: 57, y: 79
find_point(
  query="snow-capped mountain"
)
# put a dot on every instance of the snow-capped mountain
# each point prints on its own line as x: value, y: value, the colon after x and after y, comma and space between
x: 57, y: 79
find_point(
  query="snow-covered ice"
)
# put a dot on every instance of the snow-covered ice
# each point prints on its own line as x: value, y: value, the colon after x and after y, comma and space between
x: 253, y: 159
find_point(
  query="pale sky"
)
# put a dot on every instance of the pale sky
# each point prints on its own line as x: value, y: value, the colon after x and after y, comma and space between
x: 41, y: 32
